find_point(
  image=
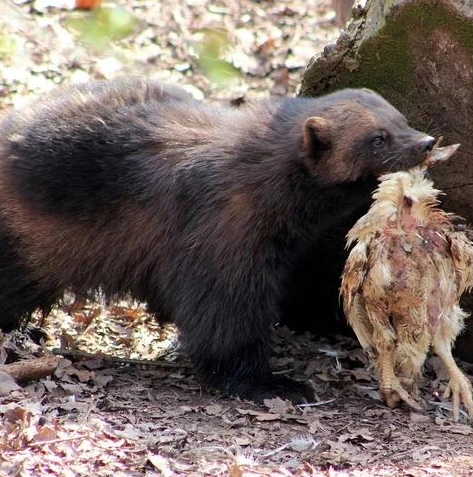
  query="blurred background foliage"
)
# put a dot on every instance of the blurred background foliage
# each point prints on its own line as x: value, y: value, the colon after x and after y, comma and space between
x: 102, y: 25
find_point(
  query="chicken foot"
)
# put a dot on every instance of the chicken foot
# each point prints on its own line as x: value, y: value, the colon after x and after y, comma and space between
x: 459, y: 387
x: 391, y: 389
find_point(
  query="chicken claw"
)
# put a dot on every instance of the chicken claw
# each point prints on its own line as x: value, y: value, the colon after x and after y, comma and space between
x: 391, y: 389
x: 459, y: 388
x: 392, y: 393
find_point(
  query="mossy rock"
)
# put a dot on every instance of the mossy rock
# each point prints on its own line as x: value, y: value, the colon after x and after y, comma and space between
x: 419, y: 55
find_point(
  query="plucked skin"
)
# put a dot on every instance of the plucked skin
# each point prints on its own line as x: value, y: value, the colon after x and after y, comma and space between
x: 402, y: 283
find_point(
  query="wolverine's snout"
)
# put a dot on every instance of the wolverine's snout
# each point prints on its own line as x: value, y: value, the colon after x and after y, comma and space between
x: 426, y: 144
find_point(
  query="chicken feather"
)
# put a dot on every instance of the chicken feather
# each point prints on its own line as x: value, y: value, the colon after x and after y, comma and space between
x: 409, y: 264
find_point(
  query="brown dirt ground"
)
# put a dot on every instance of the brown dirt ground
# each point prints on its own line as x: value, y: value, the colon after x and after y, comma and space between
x: 96, y: 416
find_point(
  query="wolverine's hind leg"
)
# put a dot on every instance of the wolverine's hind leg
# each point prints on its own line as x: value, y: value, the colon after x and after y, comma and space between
x: 20, y: 293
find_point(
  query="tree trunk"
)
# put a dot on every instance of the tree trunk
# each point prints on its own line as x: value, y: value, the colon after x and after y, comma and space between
x: 418, y: 54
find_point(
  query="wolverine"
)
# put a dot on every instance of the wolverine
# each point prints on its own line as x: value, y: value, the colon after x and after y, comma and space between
x: 200, y: 210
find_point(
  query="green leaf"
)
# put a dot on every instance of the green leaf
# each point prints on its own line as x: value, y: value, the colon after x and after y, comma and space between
x: 101, y: 26
x: 210, y: 53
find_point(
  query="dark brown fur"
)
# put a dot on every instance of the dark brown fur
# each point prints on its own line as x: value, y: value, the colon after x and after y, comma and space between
x: 201, y: 211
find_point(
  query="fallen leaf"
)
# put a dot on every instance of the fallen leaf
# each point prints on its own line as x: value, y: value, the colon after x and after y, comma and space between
x: 278, y: 406
x: 44, y: 433
x: 315, y: 426
x: 213, y: 409
x: 260, y: 416
x: 417, y: 418
x: 7, y: 384
x: 87, y: 4
x: 161, y: 464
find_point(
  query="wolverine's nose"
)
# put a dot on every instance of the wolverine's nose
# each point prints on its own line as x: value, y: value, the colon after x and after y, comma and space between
x: 426, y: 144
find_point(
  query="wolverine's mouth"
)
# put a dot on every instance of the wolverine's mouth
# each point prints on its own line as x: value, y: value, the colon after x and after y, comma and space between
x: 435, y: 155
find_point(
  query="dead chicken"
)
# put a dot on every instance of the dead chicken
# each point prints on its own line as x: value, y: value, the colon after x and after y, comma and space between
x: 402, y: 283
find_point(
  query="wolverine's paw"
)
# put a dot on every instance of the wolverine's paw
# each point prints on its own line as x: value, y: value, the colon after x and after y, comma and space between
x: 460, y: 389
x: 276, y: 386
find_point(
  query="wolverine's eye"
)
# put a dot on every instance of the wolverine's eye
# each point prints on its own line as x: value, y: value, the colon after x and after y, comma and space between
x: 378, y: 141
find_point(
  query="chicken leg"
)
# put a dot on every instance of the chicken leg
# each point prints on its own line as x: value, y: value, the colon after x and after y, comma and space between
x: 391, y: 389
x: 459, y: 387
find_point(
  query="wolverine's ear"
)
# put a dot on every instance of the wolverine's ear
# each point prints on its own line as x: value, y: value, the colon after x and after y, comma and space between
x: 316, y: 135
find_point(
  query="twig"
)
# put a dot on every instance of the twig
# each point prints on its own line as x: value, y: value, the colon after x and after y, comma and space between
x: 447, y: 407
x: 77, y: 355
x: 315, y: 404
x: 30, y: 369
x: 56, y: 441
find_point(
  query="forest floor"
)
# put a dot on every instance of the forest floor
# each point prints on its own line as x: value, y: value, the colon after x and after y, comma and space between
x: 143, y: 412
